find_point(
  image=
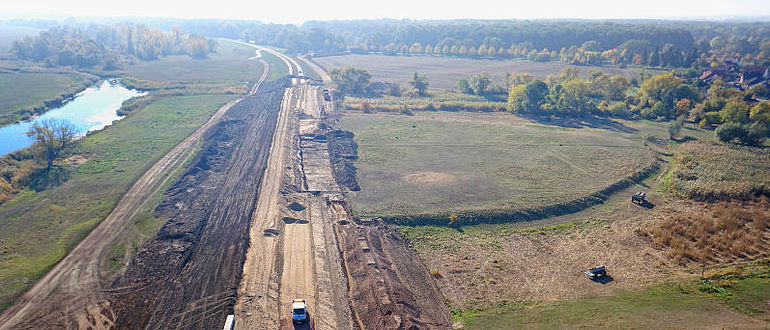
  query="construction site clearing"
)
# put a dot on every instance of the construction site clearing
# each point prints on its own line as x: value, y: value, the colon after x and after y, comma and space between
x: 312, y: 227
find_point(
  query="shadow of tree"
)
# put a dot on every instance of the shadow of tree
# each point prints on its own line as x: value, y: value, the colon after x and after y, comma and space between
x: 583, y: 122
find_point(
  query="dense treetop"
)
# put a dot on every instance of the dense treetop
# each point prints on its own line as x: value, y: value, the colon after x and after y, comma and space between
x: 108, y: 45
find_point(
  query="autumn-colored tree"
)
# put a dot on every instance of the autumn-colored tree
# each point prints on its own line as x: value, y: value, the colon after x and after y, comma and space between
x: 52, y: 137
x: 683, y: 107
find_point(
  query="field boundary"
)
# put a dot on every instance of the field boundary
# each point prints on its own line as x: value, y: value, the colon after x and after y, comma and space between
x: 492, y: 216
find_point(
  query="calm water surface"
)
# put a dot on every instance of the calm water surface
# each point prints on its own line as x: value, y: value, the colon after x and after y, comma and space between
x: 91, y: 109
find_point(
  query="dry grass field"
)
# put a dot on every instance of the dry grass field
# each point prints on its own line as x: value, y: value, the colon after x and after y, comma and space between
x: 712, y: 233
x: 443, y: 72
x: 713, y: 172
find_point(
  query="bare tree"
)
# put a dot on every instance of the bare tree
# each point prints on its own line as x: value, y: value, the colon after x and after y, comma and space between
x: 52, y: 136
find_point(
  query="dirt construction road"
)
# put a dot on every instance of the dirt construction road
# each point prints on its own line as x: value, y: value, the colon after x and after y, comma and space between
x: 292, y: 252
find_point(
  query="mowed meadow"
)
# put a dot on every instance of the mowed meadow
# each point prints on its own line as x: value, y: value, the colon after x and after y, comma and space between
x: 445, y: 162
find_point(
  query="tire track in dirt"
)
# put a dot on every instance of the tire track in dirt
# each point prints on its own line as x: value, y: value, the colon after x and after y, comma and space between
x: 187, y: 276
x: 293, y: 253
x: 258, y: 291
x: 70, y: 293
x: 257, y: 303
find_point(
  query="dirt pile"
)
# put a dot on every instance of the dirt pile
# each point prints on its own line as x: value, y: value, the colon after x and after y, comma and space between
x: 343, y: 151
x: 187, y: 276
x: 389, y: 287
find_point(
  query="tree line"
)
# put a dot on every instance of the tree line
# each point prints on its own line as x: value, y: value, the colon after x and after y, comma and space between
x: 651, y: 43
x: 738, y: 116
x: 674, y: 44
x: 110, y: 46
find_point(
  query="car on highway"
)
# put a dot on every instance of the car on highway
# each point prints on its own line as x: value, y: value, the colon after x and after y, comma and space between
x: 299, y: 311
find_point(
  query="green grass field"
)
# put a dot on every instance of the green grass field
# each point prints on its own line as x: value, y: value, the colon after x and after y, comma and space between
x: 670, y: 306
x: 443, y: 72
x: 229, y: 64
x: 442, y: 161
x: 37, y: 229
x: 230, y: 70
x: 22, y: 92
x: 732, y: 296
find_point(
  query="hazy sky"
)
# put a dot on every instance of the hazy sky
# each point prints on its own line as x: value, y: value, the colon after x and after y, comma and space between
x: 298, y: 11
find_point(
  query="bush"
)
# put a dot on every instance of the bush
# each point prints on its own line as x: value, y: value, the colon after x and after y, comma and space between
x: 365, y: 106
x: 394, y: 90
x: 674, y: 129
x: 620, y: 109
x: 729, y: 132
x: 21, y: 178
x: 712, y: 118
x: 751, y: 135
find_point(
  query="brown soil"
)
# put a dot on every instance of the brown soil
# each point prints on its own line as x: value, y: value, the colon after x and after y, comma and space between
x: 293, y: 251
x: 343, y: 151
x: 187, y: 276
x: 389, y: 287
x: 428, y: 177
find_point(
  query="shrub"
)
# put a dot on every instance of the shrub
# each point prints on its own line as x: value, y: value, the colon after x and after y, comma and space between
x: 365, y: 106
x: 712, y: 118
x: 21, y: 178
x: 674, y: 129
x: 730, y: 132
x: 464, y: 86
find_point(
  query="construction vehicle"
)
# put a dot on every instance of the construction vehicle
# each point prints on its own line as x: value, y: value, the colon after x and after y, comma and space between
x: 299, y: 311
x: 639, y: 198
x: 595, y: 272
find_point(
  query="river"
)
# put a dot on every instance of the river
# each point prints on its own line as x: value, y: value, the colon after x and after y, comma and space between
x: 92, y: 109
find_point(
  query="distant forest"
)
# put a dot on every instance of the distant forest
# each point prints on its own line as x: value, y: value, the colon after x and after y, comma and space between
x: 675, y: 44
x: 667, y: 44
x: 653, y: 43
x: 111, y: 46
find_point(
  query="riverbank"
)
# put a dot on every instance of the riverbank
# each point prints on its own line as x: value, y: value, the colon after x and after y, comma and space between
x: 89, y: 110
x: 27, y: 93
